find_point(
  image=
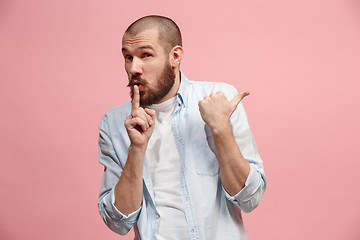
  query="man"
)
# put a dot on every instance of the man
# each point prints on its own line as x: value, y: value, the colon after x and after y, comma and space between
x: 180, y: 160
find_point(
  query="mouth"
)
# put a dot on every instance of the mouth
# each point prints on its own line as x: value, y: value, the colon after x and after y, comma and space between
x: 136, y: 80
x: 136, y: 83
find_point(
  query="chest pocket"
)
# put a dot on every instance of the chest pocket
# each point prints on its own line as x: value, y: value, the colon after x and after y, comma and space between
x: 205, y: 161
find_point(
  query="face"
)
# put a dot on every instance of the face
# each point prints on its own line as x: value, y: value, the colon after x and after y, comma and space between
x: 147, y: 66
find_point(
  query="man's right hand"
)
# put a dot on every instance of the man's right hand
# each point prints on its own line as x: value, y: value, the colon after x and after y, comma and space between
x: 140, y: 123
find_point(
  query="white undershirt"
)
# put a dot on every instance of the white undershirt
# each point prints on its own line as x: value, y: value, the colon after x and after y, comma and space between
x: 164, y: 162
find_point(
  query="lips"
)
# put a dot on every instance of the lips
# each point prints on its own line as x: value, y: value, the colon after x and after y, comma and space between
x: 140, y: 86
x: 137, y: 83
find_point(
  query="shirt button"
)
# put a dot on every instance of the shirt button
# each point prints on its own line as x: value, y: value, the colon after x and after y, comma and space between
x: 192, y: 230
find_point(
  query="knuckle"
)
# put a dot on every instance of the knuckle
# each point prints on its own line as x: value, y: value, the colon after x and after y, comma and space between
x: 141, y: 111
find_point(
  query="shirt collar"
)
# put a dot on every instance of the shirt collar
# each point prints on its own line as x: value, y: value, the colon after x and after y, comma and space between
x: 184, y: 82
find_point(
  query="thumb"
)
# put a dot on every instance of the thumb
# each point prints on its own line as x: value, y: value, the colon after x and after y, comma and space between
x: 237, y: 99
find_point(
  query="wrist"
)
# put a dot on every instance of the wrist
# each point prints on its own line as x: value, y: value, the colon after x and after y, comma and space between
x: 137, y: 149
x: 221, y: 129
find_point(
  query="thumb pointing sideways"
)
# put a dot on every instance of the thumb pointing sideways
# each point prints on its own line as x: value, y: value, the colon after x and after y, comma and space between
x: 237, y: 99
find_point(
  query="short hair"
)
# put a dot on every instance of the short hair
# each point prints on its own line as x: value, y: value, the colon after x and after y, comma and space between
x: 169, y: 32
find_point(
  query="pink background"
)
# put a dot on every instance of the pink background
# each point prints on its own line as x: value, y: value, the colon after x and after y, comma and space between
x: 61, y: 69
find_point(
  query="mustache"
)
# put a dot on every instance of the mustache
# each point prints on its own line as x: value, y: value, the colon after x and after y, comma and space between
x: 136, y: 79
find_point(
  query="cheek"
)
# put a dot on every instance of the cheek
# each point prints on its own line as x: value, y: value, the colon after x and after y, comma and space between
x: 152, y: 68
x: 127, y: 71
x: 152, y: 73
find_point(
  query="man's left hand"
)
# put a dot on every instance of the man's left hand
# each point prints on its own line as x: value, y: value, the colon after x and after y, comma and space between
x: 216, y: 110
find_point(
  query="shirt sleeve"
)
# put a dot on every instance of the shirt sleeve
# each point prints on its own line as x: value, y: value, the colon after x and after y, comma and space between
x: 113, y: 218
x: 249, y: 197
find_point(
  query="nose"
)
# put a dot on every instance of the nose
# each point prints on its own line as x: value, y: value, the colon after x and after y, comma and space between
x: 135, y: 66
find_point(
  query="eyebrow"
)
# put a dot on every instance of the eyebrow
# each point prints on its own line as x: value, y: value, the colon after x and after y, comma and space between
x: 147, y: 46
x: 141, y: 48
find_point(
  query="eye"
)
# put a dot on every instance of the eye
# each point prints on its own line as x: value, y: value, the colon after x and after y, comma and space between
x: 146, y: 55
x: 128, y: 57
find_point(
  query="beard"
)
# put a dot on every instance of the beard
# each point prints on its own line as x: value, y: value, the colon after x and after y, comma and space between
x: 153, y: 95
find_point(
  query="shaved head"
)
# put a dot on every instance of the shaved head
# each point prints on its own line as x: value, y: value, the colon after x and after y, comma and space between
x: 169, y: 32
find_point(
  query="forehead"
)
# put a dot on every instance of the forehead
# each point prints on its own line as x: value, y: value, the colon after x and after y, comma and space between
x: 145, y: 38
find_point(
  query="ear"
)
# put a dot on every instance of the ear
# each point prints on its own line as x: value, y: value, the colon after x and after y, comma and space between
x: 175, y: 56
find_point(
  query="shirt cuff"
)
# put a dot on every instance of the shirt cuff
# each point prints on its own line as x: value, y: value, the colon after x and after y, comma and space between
x: 252, y: 183
x: 131, y: 218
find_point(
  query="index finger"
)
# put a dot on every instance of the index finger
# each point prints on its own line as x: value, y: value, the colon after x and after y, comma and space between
x: 136, y: 99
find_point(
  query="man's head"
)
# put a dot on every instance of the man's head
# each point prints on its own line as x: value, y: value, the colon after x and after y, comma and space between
x: 169, y: 32
x: 152, y: 51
